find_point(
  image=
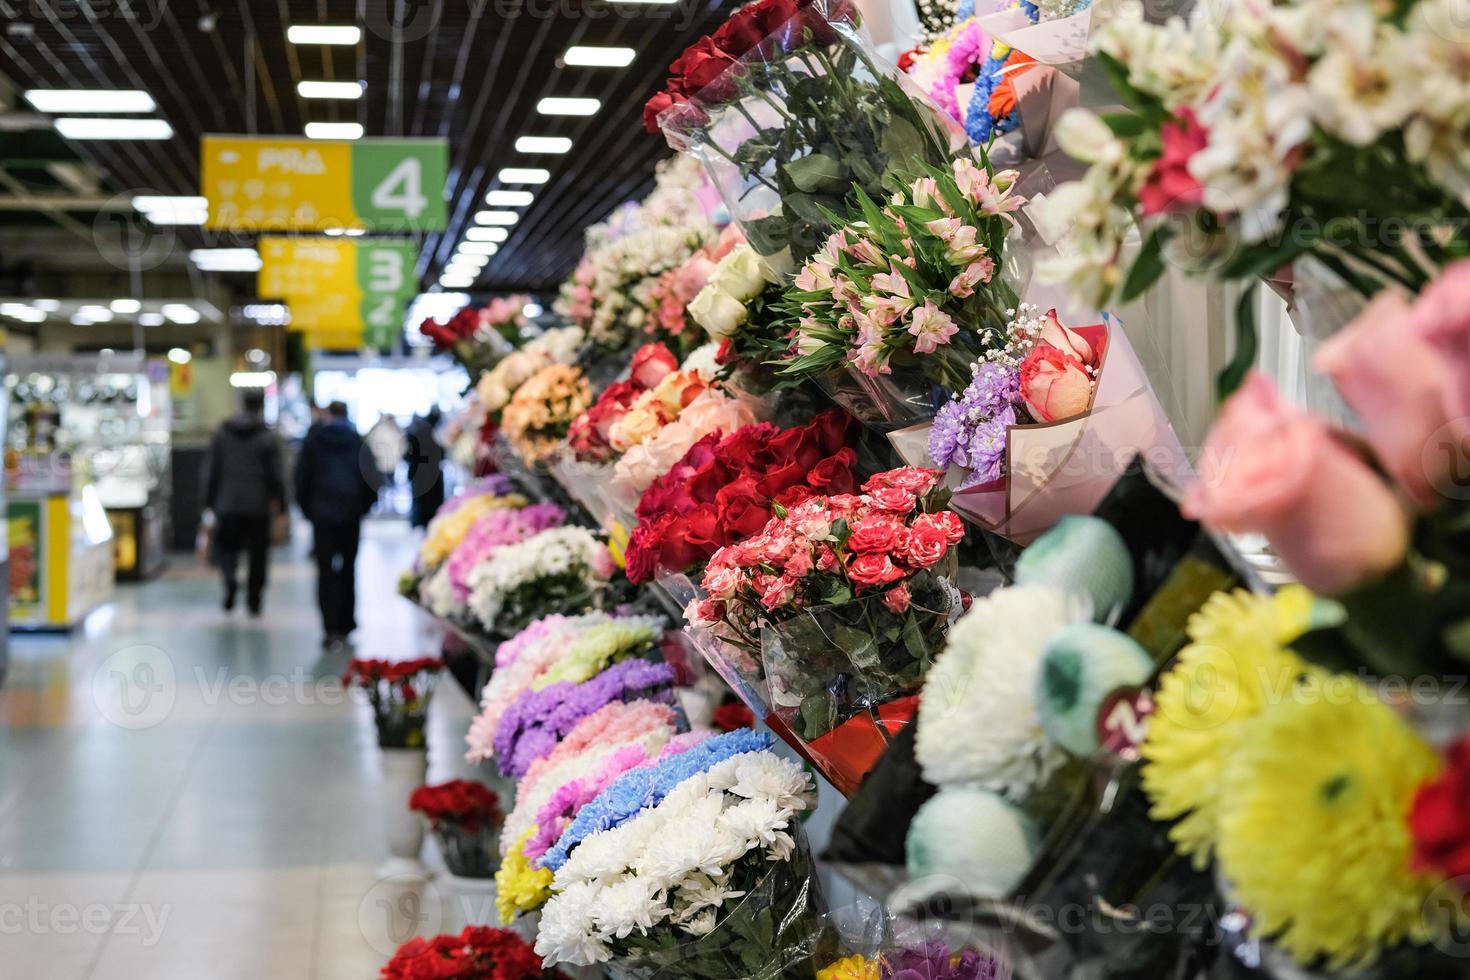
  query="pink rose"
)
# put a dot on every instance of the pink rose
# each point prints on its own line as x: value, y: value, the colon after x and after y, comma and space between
x: 1271, y: 469
x: 1066, y: 340
x: 873, y: 569
x: 897, y: 599
x: 1054, y: 385
x: 721, y: 583
x: 927, y: 544
x: 896, y: 499
x: 1397, y: 383
x: 1442, y: 316
x: 875, y: 533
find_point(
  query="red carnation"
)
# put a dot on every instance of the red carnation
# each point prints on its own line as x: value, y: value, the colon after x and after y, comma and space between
x: 1440, y: 817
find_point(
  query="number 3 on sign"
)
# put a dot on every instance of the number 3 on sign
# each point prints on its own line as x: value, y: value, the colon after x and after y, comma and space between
x: 385, y: 270
x: 403, y: 189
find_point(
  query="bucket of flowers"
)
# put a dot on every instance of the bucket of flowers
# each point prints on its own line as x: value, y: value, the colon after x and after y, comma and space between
x: 562, y: 569
x: 541, y: 411
x: 465, y: 818
x: 840, y: 604
x: 477, y: 953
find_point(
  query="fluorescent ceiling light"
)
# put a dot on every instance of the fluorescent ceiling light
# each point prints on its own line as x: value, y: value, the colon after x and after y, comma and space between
x: 329, y: 90
x: 253, y: 379
x: 486, y: 234
x: 478, y: 248
x: 181, y: 210
x: 126, y: 306
x: 497, y: 218
x: 349, y: 232
x: 523, y: 175
x: 49, y: 305
x: 543, y: 144
x: 94, y: 313
x: 150, y: 319
x: 592, y: 56
x: 450, y: 281
x: 225, y: 260
x: 179, y: 355
x: 181, y: 313
x: 553, y: 106
x: 474, y: 259
x: 510, y: 199
x: 323, y: 34
x: 93, y: 128
x: 334, y: 131
x: 90, y: 100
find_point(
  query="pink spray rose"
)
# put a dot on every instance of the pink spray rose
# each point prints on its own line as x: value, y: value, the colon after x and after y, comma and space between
x: 1054, y: 384
x: 1398, y: 383
x: 1272, y: 469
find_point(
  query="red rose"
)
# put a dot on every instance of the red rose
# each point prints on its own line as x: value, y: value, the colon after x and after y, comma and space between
x: 743, y: 509
x: 729, y: 717
x: 657, y: 106
x: 873, y: 569
x: 834, y: 429
x: 928, y: 541
x: 896, y: 499
x: 1440, y: 817
x: 745, y: 445
x: 834, y: 474
x: 782, y: 477
x: 705, y: 72
x: 1055, y: 385
x: 641, y: 555
x: 739, y: 35
x: 897, y: 599
x: 792, y: 496
x: 677, y: 550
x: 876, y: 533
x: 651, y: 364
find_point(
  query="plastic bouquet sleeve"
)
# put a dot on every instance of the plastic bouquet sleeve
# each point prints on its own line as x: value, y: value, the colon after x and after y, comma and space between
x: 1067, y: 467
x: 778, y: 931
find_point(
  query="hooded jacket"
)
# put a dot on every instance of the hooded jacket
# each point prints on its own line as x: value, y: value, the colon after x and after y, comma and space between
x: 336, y: 476
x: 243, y: 472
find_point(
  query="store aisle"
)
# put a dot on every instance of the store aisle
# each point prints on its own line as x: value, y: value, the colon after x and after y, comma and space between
x: 189, y: 793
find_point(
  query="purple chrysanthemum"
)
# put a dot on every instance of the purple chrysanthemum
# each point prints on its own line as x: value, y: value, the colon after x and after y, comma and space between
x: 970, y: 432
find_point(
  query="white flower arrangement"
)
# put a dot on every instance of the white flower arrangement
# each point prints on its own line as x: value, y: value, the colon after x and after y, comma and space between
x: 570, y: 555
x: 672, y: 866
x: 560, y: 345
x: 978, y: 719
x: 437, y: 593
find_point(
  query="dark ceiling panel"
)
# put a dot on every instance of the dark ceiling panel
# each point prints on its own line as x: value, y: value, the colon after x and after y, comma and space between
x: 471, y: 70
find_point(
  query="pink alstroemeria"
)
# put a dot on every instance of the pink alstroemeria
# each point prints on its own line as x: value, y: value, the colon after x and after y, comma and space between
x: 1170, y: 186
x: 843, y: 290
x: 970, y: 179
x: 815, y: 277
x: 867, y: 252
x: 931, y: 327
x: 892, y: 283
x: 963, y: 285
x: 870, y: 359
x: 925, y: 192
x: 945, y: 229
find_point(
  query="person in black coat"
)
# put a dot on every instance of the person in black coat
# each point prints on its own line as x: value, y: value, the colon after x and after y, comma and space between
x: 425, y: 458
x: 336, y: 486
x: 244, y: 487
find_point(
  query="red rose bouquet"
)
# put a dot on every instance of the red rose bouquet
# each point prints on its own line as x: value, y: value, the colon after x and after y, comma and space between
x: 724, y: 489
x: 466, y: 818
x: 478, y: 953
x: 476, y: 336
x: 844, y: 600
x: 399, y: 692
x: 588, y: 436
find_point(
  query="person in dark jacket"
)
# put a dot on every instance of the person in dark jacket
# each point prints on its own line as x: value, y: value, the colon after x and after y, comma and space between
x: 425, y: 459
x: 244, y: 487
x: 336, y: 486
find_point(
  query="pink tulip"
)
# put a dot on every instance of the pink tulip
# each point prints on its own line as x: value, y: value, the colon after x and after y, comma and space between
x: 1270, y: 468
x: 1397, y: 383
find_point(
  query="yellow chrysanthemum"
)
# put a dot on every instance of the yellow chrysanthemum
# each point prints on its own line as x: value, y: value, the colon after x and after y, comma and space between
x: 1313, y: 831
x: 448, y: 530
x: 519, y: 885
x: 850, y: 968
x: 1235, y: 665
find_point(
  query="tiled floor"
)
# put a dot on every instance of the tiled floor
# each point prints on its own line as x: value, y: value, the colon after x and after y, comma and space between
x: 185, y: 793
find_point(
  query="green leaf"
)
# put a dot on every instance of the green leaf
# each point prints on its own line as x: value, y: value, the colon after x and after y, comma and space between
x: 818, y: 715
x: 903, y: 145
x: 1266, y: 258
x: 768, y: 235
x: 1234, y: 373
x: 1149, y: 265
x: 1125, y: 125
x: 815, y: 171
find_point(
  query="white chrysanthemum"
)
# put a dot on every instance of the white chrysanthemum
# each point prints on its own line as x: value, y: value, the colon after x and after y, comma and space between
x: 606, y: 855
x: 701, y: 892
x: 757, y: 823
x: 630, y: 904
x: 694, y: 844
x: 977, y: 719
x: 557, y: 551
x: 757, y: 775
x: 566, y: 933
x: 437, y: 593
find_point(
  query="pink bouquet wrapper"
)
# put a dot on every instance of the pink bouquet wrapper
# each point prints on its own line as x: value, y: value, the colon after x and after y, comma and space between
x: 1058, y: 468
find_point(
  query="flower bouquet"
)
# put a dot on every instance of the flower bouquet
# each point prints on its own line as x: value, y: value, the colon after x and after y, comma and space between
x: 541, y: 411
x: 904, y: 298
x: 724, y: 489
x: 1051, y: 418
x: 446, y: 592
x: 674, y: 292
x: 695, y: 867
x: 738, y: 310
x: 839, y: 604
x: 399, y: 692
x: 478, y: 953
x: 506, y: 315
x: 789, y: 109
x: 561, y: 568
x: 471, y: 338
x: 589, y: 434
x: 466, y: 818
x: 496, y: 387
x: 448, y: 528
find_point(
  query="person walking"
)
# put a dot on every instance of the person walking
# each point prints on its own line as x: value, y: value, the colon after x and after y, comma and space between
x: 425, y: 458
x: 243, y: 489
x: 385, y: 441
x: 336, y: 485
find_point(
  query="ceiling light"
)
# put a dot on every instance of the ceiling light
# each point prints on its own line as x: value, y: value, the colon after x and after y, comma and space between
x: 180, y: 356
x: 523, y: 175
x: 181, y: 210
x: 496, y: 218
x: 126, y: 306
x: 349, y: 232
x: 48, y: 305
x: 253, y: 379
x: 510, y: 199
x: 95, y: 314
x: 77, y: 320
x: 486, y: 234
x: 323, y: 34
x: 451, y: 281
x: 14, y: 309
x: 150, y: 319
x: 181, y: 313
x: 553, y: 106
x: 543, y: 144
x: 91, y: 128
x: 591, y: 56
x: 532, y: 310
x: 478, y: 248
x: 470, y: 260
x: 225, y: 260
x: 329, y: 90
x: 334, y: 131
x: 90, y: 100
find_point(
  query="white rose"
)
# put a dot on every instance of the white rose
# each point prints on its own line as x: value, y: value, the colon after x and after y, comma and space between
x: 717, y: 311
x: 741, y: 274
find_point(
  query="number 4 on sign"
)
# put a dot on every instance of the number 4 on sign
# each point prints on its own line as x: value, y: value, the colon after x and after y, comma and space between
x: 403, y: 189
